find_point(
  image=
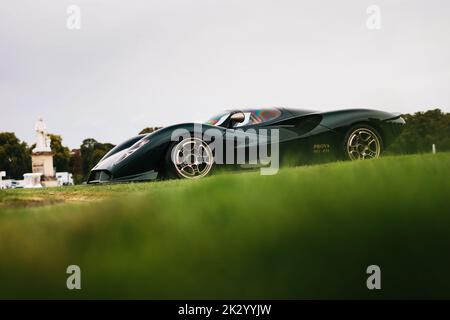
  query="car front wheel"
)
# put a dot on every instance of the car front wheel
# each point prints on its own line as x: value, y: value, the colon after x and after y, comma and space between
x: 190, y: 158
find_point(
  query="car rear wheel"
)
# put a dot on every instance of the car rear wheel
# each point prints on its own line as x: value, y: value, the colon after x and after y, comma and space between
x: 191, y: 158
x: 362, y: 142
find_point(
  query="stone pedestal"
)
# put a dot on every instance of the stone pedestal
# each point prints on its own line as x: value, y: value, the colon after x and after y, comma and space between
x: 42, y: 162
x: 50, y: 183
x: 32, y: 180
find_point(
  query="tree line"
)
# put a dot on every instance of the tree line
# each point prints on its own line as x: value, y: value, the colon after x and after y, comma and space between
x: 422, y: 129
x: 15, y: 155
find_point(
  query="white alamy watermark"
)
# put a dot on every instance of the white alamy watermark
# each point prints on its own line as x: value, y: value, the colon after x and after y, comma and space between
x: 374, y: 280
x: 251, y: 147
x: 373, y: 21
x: 73, y: 21
x: 74, y: 279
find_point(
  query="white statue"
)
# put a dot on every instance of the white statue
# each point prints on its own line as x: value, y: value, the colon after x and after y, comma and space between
x: 42, y: 138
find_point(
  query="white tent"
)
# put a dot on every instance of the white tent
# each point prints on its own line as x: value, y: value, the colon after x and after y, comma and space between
x: 2, y: 174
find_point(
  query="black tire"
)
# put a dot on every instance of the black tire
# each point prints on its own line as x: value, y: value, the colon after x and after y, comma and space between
x: 348, y: 143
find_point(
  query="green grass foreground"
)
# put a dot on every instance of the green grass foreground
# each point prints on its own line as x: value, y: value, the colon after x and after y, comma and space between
x: 307, y: 232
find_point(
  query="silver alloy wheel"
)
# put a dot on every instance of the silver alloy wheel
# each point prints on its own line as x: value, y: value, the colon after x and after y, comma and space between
x: 192, y: 158
x: 363, y: 144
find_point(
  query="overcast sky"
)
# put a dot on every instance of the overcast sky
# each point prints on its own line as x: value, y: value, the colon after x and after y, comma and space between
x: 144, y: 63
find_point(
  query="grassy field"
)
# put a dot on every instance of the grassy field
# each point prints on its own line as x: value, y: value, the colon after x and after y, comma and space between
x: 307, y: 232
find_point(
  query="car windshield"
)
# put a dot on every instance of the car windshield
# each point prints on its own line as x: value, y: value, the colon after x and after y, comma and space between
x: 218, y: 119
x: 252, y: 116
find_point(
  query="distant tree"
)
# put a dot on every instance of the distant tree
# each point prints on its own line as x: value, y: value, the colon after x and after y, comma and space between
x: 61, y: 157
x: 149, y: 130
x: 91, y: 152
x: 423, y: 129
x: 15, y: 156
x: 76, y: 166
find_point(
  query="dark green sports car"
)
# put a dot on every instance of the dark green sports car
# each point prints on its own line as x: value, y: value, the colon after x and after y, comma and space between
x: 243, y: 138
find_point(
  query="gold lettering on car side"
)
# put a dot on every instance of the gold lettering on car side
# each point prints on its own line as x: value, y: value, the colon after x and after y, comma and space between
x: 321, y: 148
